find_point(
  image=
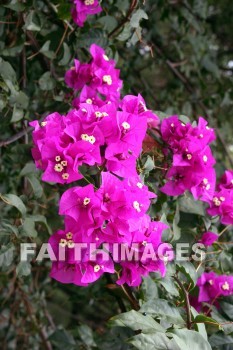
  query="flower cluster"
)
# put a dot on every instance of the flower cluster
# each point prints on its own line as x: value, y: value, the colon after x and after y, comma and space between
x: 105, y: 133
x: 98, y: 80
x: 84, y: 8
x: 192, y: 159
x: 222, y: 201
x: 90, y: 135
x: 212, y: 286
x: 113, y: 214
x: 96, y: 133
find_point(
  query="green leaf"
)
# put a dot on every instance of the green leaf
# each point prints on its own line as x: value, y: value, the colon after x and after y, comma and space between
x: 46, y: 51
x: 109, y: 23
x: 187, y: 269
x: 154, y: 341
x: 36, y: 185
x: 15, y: 5
x: 149, y: 289
x: 220, y: 340
x: 123, y: 5
x: 207, y: 320
x: 227, y: 327
x: 162, y: 309
x: 199, y: 327
x: 137, y: 16
x: 29, y: 168
x: 125, y: 34
x: 148, y: 165
x: 62, y: 340
x: 17, y: 115
x: 136, y: 321
x: 32, y: 22
x: 64, y: 11
x: 86, y: 335
x: 227, y: 309
x: 23, y: 269
x: 168, y: 283
x: 6, y: 255
x: 28, y: 228
x: 6, y: 71
x: 189, y: 205
x: 41, y: 219
x: 46, y: 82
x: 12, y: 199
x: 66, y: 55
x: 190, y: 340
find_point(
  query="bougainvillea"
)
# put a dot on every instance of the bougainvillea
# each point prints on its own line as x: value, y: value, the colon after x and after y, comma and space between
x: 84, y: 8
x: 133, y: 216
x: 106, y: 133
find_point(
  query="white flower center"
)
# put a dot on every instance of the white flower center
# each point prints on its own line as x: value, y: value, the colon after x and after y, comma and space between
x: 88, y: 138
x: 140, y: 185
x: 136, y: 206
x: 107, y: 79
x: 205, y: 158
x: 105, y: 57
x: 58, y: 168
x: 63, y: 242
x: 189, y: 156
x: 69, y: 235
x: 86, y: 201
x: 98, y: 114
x: 226, y: 286
x: 89, y: 2
x: 216, y: 201
x: 65, y: 176
x: 89, y: 101
x: 125, y: 125
x: 97, y: 268
x: 57, y: 158
x: 43, y: 123
x: 70, y: 244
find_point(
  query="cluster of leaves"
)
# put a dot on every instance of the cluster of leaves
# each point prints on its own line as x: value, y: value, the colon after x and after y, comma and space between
x: 177, y: 54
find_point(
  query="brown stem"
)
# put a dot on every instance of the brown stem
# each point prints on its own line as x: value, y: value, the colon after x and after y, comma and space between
x: 187, y: 303
x: 19, y: 135
x: 128, y: 292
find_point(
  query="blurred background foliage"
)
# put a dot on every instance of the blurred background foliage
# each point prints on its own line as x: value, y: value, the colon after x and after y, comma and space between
x: 179, y: 55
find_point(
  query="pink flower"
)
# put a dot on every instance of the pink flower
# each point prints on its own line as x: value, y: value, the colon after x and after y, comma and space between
x: 81, y: 204
x: 137, y: 106
x: 192, y: 159
x: 95, y: 269
x: 212, y: 286
x: 78, y: 76
x: 208, y: 238
x: 221, y: 205
x: 83, y: 8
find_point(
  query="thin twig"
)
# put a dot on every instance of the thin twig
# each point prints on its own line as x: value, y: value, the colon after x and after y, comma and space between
x: 20, y: 134
x: 62, y: 39
x: 125, y: 20
x: 187, y: 303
